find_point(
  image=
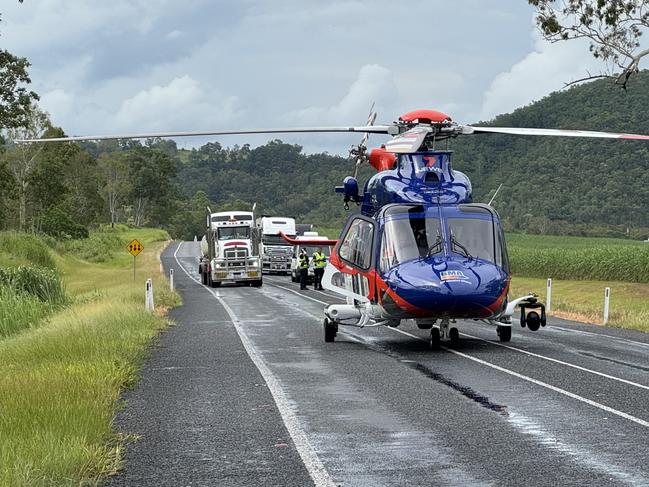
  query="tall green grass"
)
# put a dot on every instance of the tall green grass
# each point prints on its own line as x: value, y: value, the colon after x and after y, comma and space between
x: 24, y: 249
x: 58, y: 389
x: 19, y: 311
x: 60, y: 380
x: 44, y: 284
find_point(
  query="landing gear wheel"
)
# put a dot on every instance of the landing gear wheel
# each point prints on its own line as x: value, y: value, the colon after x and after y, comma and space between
x: 504, y: 333
x: 435, y: 338
x: 454, y: 336
x: 330, y: 330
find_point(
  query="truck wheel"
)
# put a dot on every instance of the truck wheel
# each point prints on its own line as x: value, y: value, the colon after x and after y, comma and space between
x: 257, y: 283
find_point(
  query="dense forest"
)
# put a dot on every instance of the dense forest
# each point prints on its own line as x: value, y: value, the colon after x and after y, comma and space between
x: 550, y: 185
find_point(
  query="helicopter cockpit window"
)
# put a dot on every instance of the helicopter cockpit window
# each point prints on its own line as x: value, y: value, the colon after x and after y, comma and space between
x: 356, y: 246
x: 473, y: 238
x: 409, y: 237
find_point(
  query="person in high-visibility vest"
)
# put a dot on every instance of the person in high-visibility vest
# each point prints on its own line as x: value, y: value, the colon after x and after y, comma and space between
x: 303, y: 264
x: 319, y: 263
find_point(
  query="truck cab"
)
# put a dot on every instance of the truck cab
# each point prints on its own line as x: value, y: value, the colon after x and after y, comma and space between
x: 275, y: 253
x: 230, y: 250
x: 326, y: 250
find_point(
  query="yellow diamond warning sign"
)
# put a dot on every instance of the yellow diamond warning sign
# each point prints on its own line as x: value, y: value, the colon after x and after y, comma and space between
x: 135, y: 247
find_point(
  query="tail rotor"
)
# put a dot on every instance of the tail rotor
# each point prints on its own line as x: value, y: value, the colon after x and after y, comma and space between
x: 359, y: 152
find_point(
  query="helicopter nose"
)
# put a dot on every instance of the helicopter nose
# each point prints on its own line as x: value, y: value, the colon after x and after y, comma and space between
x: 450, y: 288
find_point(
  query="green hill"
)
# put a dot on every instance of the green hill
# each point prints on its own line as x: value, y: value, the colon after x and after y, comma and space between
x: 564, y: 185
x: 550, y: 185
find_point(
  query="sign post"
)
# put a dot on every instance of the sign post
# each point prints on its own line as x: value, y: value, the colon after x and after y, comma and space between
x: 134, y: 248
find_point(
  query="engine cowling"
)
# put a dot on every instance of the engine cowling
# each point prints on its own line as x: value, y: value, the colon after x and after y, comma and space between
x: 382, y: 160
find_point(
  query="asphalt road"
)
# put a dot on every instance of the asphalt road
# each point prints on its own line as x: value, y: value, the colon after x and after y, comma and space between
x: 244, y: 391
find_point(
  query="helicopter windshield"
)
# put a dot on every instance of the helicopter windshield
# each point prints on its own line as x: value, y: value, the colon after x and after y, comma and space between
x: 411, y: 236
x: 471, y: 234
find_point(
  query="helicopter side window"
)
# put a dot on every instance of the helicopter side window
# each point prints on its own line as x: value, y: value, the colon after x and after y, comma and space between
x: 410, y: 238
x: 356, y: 246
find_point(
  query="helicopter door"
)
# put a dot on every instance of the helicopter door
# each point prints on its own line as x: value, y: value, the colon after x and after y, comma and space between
x: 353, y: 259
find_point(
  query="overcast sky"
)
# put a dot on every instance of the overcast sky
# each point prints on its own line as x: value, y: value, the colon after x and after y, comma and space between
x: 157, y: 65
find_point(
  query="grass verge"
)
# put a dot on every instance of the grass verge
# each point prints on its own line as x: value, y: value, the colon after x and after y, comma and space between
x: 584, y: 300
x: 60, y: 383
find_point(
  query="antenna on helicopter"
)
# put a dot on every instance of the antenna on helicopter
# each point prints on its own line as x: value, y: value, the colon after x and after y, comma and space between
x: 495, y: 194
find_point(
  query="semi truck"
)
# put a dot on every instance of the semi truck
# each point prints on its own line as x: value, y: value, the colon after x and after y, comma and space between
x: 275, y: 253
x: 230, y: 250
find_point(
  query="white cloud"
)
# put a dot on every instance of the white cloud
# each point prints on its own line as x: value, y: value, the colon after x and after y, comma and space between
x: 157, y: 65
x: 374, y: 84
x: 174, y: 34
x: 175, y: 106
x: 548, y: 68
x: 57, y: 101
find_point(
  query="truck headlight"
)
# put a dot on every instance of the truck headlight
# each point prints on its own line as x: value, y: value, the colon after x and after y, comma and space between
x: 253, y: 263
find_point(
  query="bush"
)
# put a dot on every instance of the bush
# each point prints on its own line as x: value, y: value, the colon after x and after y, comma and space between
x: 44, y: 284
x: 57, y: 223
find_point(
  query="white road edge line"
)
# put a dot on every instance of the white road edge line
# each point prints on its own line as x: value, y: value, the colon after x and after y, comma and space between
x: 524, y: 377
x: 572, y: 395
x: 309, y: 457
x: 567, y: 364
x: 600, y: 335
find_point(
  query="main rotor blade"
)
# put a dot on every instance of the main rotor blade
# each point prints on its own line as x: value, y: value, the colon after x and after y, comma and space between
x: 409, y: 141
x: 555, y: 132
x: 376, y: 129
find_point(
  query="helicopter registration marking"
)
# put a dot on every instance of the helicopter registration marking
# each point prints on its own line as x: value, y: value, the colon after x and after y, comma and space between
x: 457, y: 276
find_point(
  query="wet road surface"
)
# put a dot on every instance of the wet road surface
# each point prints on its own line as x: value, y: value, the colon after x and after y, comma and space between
x: 244, y: 391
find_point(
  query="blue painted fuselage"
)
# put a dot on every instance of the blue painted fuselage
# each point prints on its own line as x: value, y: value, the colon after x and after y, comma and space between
x: 436, y: 253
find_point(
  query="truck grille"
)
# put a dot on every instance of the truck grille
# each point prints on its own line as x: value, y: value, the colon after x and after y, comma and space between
x: 236, y: 254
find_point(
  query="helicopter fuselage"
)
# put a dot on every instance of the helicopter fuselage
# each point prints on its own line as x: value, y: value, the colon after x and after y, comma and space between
x: 420, y: 248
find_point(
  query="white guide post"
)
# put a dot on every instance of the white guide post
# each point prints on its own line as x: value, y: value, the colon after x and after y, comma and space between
x: 548, y: 296
x: 171, y: 279
x: 607, y: 299
x: 148, y: 299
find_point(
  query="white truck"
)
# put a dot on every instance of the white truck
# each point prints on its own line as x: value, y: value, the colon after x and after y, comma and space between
x: 275, y: 252
x: 230, y: 250
x: 326, y: 250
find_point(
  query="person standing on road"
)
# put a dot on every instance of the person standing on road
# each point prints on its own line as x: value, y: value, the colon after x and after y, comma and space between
x: 303, y: 263
x: 319, y: 263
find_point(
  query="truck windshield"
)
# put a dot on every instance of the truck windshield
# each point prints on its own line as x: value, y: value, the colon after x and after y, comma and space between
x: 232, y: 233
x: 275, y: 240
x: 410, y: 237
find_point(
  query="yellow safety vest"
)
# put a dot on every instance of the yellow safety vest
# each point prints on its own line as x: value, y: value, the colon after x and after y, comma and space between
x: 304, y: 262
x: 319, y: 260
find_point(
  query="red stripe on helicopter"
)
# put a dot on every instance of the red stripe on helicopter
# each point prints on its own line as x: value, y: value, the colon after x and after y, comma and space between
x: 493, y: 307
x: 635, y: 137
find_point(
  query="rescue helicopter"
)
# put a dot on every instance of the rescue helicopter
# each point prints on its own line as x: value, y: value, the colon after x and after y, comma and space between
x: 419, y: 248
